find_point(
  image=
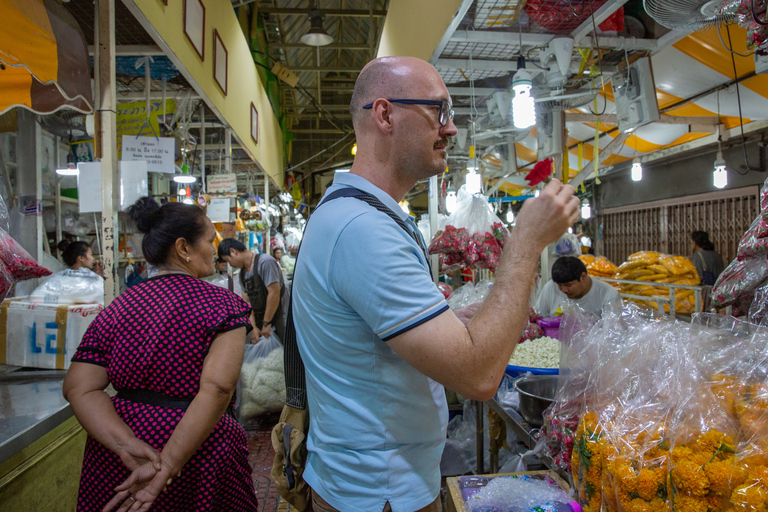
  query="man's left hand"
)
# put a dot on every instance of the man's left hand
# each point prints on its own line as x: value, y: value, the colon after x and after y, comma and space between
x: 466, y: 314
x: 266, y: 331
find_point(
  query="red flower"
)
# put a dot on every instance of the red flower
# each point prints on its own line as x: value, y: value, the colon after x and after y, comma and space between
x: 540, y: 172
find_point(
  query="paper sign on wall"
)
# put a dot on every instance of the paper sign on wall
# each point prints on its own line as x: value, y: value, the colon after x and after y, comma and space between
x: 158, y: 153
x: 134, y: 183
x: 218, y: 209
x: 222, y: 184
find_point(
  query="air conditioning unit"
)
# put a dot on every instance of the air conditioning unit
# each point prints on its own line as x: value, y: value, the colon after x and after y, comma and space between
x: 549, y: 134
x: 635, y: 96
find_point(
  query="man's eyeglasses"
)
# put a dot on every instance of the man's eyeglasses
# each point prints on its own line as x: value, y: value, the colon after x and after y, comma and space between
x: 446, y: 111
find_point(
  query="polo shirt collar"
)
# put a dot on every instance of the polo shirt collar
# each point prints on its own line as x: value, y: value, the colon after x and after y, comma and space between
x: 346, y: 179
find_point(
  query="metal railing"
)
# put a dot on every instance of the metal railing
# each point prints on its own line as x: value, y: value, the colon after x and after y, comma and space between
x: 660, y: 300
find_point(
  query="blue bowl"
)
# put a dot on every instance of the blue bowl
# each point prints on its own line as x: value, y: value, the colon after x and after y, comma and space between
x: 517, y: 371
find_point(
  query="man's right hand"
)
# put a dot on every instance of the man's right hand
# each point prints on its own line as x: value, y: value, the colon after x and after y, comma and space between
x: 544, y: 219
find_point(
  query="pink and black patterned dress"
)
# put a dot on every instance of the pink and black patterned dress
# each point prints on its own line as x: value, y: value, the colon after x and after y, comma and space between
x: 152, y: 340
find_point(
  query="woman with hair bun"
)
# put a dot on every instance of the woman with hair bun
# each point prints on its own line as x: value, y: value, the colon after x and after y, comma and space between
x: 77, y: 255
x: 172, y: 347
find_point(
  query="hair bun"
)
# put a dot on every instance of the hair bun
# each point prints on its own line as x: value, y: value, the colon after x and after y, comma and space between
x: 145, y: 213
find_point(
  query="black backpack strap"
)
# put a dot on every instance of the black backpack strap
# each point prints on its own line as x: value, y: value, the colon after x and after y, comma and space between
x: 295, y: 378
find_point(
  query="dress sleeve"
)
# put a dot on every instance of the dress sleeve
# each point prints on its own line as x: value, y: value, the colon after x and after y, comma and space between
x: 96, y: 346
x: 234, y: 313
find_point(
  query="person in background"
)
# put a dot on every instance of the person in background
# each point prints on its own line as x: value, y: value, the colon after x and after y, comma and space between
x: 77, y: 255
x: 708, y: 262
x: 263, y: 286
x: 172, y: 347
x: 376, y: 336
x: 221, y: 268
x: 571, y: 281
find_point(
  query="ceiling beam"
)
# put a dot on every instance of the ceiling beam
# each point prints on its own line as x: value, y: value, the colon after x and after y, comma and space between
x: 323, y: 131
x: 600, y: 15
x: 469, y: 91
x: 329, y: 69
x: 481, y: 65
x: 356, y: 47
x: 513, y: 39
x: 664, y: 119
x: 131, y: 49
x: 155, y: 95
x: 458, y: 17
x: 606, y: 152
x: 357, y: 13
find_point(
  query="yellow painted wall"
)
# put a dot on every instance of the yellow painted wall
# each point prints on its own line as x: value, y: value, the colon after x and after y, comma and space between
x: 414, y: 27
x: 243, y: 85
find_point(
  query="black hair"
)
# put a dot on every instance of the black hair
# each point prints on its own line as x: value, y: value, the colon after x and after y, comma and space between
x: 72, y: 251
x: 220, y: 260
x: 163, y: 225
x: 701, y: 238
x: 230, y: 243
x: 567, y: 269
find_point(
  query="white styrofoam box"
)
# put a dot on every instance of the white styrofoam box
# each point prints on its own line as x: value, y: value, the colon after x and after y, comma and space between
x: 32, y: 333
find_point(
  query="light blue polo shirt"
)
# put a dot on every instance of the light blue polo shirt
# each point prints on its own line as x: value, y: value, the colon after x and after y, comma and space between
x: 377, y: 425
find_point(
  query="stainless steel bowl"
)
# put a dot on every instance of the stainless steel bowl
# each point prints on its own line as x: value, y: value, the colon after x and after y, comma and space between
x: 537, y: 392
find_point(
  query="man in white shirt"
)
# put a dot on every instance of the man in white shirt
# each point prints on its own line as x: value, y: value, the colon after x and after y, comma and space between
x: 571, y: 281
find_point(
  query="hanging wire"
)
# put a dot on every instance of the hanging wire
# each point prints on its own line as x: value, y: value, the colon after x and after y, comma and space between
x: 764, y: 21
x: 738, y: 98
x: 731, y: 49
x: 599, y: 57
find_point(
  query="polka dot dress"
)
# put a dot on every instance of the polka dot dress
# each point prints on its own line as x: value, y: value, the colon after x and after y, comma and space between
x: 155, y: 337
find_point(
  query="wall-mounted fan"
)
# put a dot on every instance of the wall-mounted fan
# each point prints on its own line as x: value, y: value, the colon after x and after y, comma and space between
x: 552, y: 92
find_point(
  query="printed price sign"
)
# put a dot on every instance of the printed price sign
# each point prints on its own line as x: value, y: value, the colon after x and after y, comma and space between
x: 158, y: 153
x: 222, y: 184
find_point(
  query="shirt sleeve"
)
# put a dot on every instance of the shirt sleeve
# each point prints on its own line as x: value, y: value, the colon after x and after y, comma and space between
x: 96, y: 345
x: 378, y: 272
x: 233, y: 312
x: 269, y: 270
x: 543, y: 303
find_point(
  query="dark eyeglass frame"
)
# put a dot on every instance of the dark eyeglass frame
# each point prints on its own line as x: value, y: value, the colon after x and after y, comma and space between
x: 445, y: 113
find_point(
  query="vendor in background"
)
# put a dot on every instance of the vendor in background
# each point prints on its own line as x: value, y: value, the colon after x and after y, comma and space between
x: 708, y: 262
x: 263, y: 286
x: 77, y: 255
x: 571, y: 281
x: 221, y: 268
x: 277, y: 253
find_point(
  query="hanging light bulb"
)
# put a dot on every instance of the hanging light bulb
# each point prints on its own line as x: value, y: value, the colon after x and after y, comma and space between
x: 450, y: 201
x: 536, y: 194
x: 184, y: 177
x: 510, y: 216
x: 720, y: 176
x: 474, y: 179
x: 586, y: 211
x: 637, y: 169
x: 523, y: 106
x: 354, y: 149
x: 71, y: 168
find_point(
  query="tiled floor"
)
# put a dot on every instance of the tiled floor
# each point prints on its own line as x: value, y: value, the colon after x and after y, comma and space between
x: 261, y: 456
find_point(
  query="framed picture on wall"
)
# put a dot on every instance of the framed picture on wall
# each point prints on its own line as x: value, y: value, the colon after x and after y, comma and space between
x: 254, y: 123
x: 194, y: 25
x: 220, y: 56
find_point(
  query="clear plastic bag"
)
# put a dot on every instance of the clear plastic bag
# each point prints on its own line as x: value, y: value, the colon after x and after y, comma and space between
x: 469, y: 294
x: 81, y: 286
x: 739, y: 279
x: 20, y: 264
x: 473, y: 236
x: 568, y: 245
x: 261, y: 387
x: 292, y: 239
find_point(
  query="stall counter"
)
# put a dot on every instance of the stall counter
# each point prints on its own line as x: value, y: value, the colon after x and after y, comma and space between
x: 41, y: 443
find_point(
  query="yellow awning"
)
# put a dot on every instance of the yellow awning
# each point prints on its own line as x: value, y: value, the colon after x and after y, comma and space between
x: 44, y: 63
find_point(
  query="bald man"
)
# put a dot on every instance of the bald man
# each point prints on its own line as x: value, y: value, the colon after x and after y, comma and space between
x: 376, y: 335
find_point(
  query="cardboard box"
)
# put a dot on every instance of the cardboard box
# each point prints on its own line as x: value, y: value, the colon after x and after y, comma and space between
x: 42, y: 335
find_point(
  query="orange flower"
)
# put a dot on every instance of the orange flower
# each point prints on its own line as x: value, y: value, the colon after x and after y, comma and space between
x: 685, y: 503
x: 689, y: 478
x: 648, y: 483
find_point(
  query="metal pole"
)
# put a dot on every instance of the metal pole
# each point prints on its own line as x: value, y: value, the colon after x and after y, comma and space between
x: 228, y: 149
x: 479, y: 432
x: 434, y: 260
x: 266, y: 201
x: 202, y: 151
x: 56, y: 164
x: 109, y: 175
